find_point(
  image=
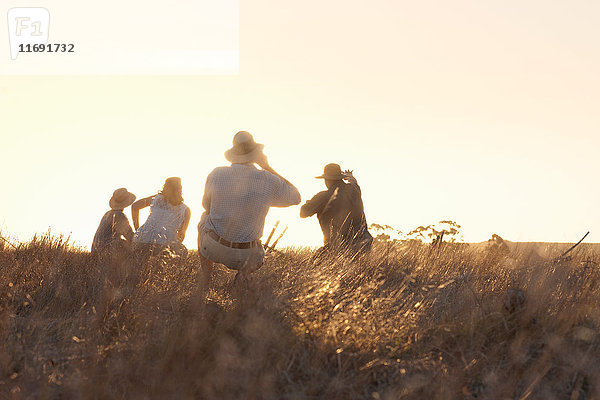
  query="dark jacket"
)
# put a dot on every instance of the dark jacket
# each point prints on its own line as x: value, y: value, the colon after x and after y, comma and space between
x: 340, y: 213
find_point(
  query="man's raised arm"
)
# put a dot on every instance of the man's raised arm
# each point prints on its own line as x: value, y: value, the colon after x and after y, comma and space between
x: 289, y: 195
x: 263, y: 162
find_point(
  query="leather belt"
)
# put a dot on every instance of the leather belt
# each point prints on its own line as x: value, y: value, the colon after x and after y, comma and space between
x: 233, y: 245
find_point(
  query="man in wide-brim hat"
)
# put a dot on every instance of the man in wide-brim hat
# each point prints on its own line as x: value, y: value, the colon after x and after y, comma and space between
x: 340, y: 212
x: 237, y: 199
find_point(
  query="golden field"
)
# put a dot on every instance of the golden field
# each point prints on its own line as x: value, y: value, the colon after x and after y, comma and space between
x: 408, y: 321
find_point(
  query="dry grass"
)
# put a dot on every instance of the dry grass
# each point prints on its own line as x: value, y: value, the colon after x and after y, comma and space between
x: 406, y: 322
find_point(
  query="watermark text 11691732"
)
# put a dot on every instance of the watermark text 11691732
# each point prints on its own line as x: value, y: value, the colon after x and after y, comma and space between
x: 138, y: 37
x: 48, y: 48
x: 27, y: 26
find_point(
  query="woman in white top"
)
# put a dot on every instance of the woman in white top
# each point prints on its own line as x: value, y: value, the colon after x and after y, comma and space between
x: 167, y: 223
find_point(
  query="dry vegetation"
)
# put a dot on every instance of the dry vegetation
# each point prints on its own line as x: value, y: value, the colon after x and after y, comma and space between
x: 406, y: 322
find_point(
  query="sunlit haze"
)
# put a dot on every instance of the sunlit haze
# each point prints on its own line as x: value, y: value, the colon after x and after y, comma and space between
x: 481, y: 112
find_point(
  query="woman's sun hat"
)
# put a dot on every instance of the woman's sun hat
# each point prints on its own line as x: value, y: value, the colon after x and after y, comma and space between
x: 244, y: 149
x: 121, y: 198
x: 332, y: 172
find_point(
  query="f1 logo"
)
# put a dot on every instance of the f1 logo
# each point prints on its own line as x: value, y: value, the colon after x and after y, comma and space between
x: 27, y: 25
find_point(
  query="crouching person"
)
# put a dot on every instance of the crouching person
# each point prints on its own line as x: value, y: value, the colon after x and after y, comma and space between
x: 112, y: 245
x: 237, y: 199
x: 340, y: 213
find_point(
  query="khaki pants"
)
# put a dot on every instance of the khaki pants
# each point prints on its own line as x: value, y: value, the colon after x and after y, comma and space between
x: 247, y: 260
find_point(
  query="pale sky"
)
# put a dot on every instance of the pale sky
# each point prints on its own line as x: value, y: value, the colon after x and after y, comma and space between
x: 482, y: 112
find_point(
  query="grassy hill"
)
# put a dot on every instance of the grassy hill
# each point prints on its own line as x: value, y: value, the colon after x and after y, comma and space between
x: 409, y: 321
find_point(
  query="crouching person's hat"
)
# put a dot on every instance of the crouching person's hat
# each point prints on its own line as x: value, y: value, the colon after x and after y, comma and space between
x: 244, y: 149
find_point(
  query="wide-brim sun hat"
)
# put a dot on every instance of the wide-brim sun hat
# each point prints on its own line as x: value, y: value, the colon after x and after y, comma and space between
x: 332, y: 172
x: 244, y: 149
x: 121, y: 198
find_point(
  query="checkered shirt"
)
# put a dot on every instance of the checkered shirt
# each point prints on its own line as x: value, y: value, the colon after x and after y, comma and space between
x: 237, y: 199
